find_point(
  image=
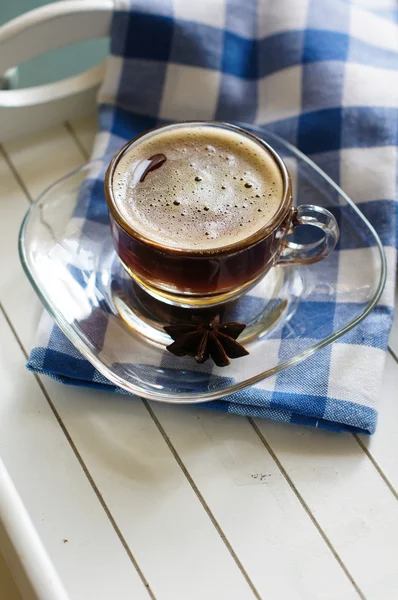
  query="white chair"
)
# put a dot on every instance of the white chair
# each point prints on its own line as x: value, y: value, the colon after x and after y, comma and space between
x: 28, y: 110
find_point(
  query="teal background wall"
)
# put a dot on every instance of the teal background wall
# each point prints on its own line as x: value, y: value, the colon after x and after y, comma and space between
x: 59, y: 63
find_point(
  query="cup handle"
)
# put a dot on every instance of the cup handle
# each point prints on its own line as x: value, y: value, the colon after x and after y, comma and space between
x: 306, y: 254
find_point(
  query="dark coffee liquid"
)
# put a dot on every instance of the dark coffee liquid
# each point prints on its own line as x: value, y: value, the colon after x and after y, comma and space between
x: 198, y: 275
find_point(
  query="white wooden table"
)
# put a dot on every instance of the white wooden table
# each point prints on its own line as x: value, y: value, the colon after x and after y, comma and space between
x: 105, y: 497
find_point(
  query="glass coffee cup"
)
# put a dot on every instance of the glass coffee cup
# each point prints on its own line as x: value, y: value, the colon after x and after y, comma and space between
x: 200, y: 212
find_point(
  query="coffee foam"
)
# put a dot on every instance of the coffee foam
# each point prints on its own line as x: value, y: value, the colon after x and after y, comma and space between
x: 217, y: 187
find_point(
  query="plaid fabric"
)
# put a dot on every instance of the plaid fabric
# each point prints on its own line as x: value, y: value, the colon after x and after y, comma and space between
x: 320, y: 74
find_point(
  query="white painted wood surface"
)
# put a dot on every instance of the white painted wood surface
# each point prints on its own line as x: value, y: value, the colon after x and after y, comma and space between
x: 170, y: 502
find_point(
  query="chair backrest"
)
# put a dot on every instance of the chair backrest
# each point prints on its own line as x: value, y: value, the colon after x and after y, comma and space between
x: 27, y: 110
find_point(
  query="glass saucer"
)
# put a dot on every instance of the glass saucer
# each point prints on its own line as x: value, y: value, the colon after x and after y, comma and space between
x: 291, y: 314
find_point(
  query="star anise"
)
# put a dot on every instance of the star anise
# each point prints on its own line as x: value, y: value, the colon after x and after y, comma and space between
x: 207, y: 339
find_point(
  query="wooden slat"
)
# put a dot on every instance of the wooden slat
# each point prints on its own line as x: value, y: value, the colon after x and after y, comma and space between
x: 41, y: 159
x: 15, y: 289
x: 347, y: 497
x: 71, y: 523
x: 158, y: 512
x: 254, y: 505
x: 155, y: 507
x: 85, y: 129
x: 383, y: 446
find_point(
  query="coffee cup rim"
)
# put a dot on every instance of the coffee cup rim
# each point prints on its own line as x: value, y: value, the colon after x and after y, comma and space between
x: 247, y: 242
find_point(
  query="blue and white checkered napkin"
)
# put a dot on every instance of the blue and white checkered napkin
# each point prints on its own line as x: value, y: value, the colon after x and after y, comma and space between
x: 321, y: 74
